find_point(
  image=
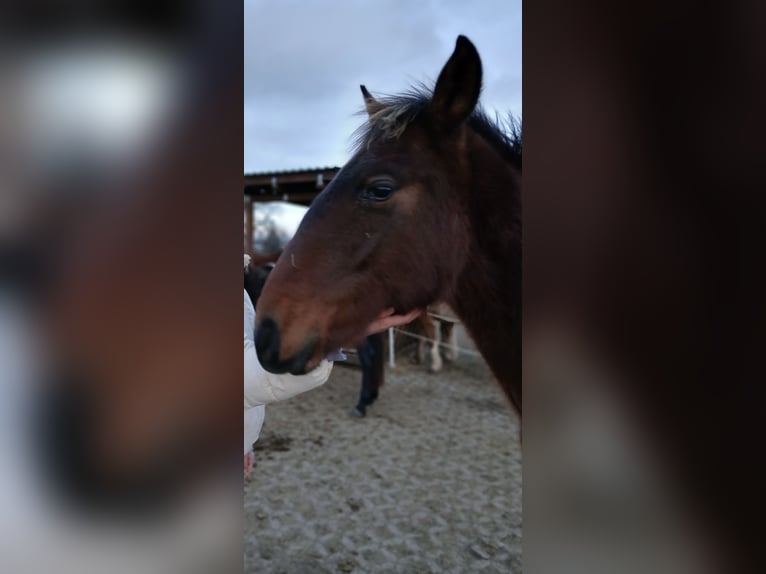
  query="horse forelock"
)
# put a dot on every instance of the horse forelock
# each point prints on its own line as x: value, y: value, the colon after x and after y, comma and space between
x: 390, y: 121
x: 397, y: 112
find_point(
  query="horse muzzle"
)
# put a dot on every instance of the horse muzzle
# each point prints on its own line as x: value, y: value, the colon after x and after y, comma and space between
x: 267, y: 347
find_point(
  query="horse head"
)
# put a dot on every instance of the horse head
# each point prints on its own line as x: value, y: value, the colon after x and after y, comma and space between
x: 388, y: 231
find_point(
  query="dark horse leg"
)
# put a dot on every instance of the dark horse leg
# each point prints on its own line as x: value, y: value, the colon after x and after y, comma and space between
x: 371, y: 358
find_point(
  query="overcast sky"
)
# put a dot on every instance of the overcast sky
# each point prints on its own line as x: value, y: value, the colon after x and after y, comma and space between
x: 304, y: 61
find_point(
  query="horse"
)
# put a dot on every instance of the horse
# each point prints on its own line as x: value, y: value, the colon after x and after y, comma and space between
x: 436, y: 315
x: 369, y: 351
x: 427, y: 209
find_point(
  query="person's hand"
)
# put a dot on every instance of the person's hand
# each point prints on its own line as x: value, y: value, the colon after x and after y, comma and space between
x: 388, y: 319
x: 384, y: 321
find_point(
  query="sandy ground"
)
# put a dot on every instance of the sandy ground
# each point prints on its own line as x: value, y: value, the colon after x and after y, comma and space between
x: 428, y: 482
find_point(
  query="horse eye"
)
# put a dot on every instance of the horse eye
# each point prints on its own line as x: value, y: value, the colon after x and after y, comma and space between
x: 379, y: 191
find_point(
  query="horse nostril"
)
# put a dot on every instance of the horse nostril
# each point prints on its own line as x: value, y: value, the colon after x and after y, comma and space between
x: 267, y: 345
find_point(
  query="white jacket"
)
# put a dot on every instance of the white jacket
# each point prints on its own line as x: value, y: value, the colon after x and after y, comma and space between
x: 262, y: 387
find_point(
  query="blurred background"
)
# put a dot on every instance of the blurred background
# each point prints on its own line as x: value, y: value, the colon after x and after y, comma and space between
x: 120, y: 388
x: 643, y: 291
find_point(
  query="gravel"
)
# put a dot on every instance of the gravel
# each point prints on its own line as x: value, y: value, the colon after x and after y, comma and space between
x: 428, y: 482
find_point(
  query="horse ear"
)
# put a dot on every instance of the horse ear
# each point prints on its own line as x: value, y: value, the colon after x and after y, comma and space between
x: 370, y: 103
x: 457, y: 89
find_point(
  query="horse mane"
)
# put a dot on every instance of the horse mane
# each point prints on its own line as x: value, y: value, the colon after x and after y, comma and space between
x: 398, y: 111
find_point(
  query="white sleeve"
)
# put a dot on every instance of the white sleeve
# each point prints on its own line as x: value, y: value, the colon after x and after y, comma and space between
x: 253, y: 424
x: 262, y: 387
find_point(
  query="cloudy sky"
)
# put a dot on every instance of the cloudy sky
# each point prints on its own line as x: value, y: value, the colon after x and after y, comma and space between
x: 305, y: 59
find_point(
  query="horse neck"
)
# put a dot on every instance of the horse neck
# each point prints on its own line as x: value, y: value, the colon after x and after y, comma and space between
x: 487, y: 293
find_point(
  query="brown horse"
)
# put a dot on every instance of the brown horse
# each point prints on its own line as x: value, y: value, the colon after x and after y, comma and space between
x: 428, y: 209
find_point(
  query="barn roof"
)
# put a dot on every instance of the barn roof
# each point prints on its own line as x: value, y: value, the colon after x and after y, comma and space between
x: 286, y: 171
x: 294, y: 185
